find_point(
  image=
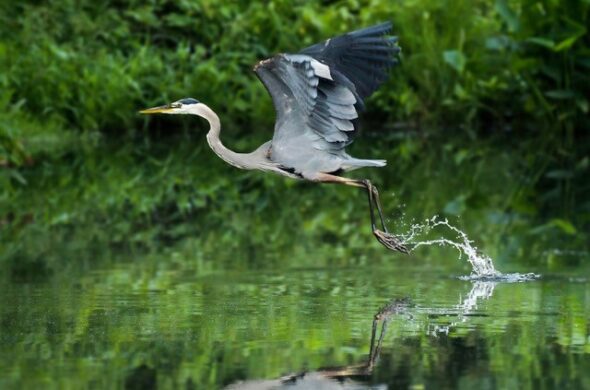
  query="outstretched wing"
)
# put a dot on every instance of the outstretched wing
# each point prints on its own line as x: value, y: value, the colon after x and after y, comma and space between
x: 318, y: 92
x: 361, y: 58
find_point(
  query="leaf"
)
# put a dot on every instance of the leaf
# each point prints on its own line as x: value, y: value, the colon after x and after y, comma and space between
x: 582, y: 105
x: 576, y: 31
x: 455, y: 59
x: 548, y: 43
x: 560, y: 94
x: 508, y: 15
x: 564, y: 226
x: 460, y: 92
x: 559, y: 174
x: 499, y: 43
x: 566, y: 43
x: 18, y: 177
x: 556, y: 47
x: 461, y: 156
x: 176, y: 20
x: 583, y: 164
x: 456, y: 206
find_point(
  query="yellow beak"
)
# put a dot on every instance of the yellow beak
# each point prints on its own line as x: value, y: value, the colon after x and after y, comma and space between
x: 156, y: 110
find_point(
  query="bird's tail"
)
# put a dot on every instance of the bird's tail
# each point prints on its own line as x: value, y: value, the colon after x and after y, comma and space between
x: 356, y: 163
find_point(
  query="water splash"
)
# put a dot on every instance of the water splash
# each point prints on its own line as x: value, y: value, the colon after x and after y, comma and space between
x: 480, y: 291
x: 482, y: 266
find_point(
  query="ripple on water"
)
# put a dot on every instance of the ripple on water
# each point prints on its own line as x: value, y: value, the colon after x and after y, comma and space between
x: 500, y: 277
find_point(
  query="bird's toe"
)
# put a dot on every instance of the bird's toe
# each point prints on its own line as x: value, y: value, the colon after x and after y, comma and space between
x: 390, y: 241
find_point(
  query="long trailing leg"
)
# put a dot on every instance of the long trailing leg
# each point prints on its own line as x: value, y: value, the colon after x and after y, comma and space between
x: 383, y: 236
x: 373, y: 190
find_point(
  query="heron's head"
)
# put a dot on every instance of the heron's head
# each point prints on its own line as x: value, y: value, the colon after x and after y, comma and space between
x: 182, y: 106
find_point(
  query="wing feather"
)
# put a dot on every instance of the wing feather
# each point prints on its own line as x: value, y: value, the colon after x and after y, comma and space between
x: 318, y: 92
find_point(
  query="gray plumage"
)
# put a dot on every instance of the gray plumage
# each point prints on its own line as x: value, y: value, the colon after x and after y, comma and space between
x: 317, y: 94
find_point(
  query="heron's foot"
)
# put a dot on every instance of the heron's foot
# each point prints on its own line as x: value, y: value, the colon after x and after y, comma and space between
x: 390, y: 241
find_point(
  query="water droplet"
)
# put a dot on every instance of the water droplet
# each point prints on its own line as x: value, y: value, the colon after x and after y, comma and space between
x: 482, y: 266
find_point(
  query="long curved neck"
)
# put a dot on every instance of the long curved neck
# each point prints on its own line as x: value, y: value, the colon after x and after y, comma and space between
x: 239, y: 160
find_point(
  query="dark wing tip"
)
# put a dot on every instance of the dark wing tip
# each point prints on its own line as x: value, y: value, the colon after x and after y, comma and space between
x: 363, y: 56
x: 378, y: 29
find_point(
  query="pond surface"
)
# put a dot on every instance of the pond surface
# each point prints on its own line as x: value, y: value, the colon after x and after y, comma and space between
x: 137, y: 269
x: 155, y: 322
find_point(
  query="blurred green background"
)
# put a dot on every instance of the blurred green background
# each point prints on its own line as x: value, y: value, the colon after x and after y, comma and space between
x: 486, y: 117
x: 488, y: 110
x: 124, y: 241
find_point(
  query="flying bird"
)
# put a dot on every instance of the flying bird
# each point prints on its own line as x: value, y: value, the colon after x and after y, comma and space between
x: 317, y: 94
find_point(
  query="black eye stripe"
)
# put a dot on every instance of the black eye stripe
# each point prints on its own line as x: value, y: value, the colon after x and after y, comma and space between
x: 188, y: 101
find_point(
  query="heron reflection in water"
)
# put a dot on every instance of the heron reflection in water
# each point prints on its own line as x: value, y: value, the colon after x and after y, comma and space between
x: 351, y: 377
x: 317, y: 94
x: 338, y: 377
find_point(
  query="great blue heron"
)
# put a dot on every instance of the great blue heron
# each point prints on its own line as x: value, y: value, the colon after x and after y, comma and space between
x: 317, y: 94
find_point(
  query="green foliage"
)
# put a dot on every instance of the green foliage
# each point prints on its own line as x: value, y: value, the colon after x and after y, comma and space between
x: 94, y: 64
x: 482, y: 81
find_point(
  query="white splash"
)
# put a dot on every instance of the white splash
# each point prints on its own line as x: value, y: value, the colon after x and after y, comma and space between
x: 482, y: 266
x: 480, y: 291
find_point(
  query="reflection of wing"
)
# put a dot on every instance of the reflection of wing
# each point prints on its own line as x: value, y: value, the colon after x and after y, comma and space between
x: 317, y: 92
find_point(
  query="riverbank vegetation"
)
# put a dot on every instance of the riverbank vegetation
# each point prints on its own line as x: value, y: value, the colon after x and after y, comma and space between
x: 485, y: 118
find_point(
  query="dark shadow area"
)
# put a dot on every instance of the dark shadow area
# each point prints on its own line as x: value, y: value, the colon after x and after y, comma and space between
x: 141, y: 378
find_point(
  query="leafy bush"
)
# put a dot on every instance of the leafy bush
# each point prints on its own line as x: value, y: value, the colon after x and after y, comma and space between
x: 74, y: 74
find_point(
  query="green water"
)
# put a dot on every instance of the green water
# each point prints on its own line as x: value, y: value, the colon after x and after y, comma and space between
x: 143, y: 268
x: 146, y: 321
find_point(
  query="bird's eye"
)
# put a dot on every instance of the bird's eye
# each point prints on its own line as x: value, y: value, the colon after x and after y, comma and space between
x: 175, y: 105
